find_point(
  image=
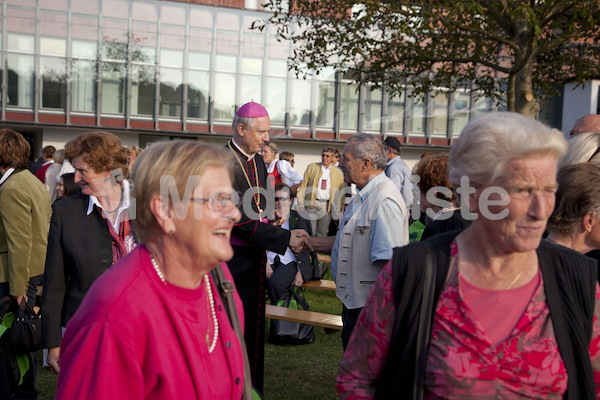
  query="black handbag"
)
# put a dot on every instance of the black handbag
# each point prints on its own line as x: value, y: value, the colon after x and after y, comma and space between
x: 25, y: 335
x: 286, y: 332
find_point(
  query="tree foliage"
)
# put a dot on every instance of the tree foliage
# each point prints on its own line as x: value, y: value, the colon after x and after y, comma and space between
x: 510, y: 50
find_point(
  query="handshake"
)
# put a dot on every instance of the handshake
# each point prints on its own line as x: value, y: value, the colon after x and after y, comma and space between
x: 300, y: 240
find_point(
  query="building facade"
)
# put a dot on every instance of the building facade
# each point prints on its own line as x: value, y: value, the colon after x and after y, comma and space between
x: 152, y: 70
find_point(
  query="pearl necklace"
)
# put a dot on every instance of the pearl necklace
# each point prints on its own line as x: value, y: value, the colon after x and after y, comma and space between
x: 211, y: 301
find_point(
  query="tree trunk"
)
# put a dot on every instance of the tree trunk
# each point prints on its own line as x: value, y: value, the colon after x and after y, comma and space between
x: 525, y: 102
x: 510, y: 92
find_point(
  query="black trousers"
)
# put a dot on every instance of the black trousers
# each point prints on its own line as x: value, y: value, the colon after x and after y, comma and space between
x: 281, y: 280
x: 349, y: 318
x: 248, y: 269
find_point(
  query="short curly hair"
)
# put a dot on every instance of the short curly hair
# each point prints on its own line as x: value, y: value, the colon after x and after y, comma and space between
x: 433, y: 172
x: 103, y: 151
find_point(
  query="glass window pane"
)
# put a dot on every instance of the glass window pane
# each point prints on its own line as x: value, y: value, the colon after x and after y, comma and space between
x: 142, y: 11
x: 198, y: 99
x: 277, y: 67
x: 85, y: 49
x: 439, y: 115
x: 84, y: 27
x: 145, y: 34
x: 254, y: 45
x: 228, y: 21
x: 22, y: 43
x: 462, y: 105
x: 18, y: 20
x: 275, y: 101
x: 395, y: 113
x: 300, y: 102
x: 250, y: 89
x: 199, y: 60
x: 171, y: 58
x: 172, y: 37
x: 54, y: 82
x: 226, y: 63
x: 349, y: 106
x: 142, y: 90
x: 481, y: 106
x: 326, y: 104
x: 173, y: 14
x: 115, y: 8
x: 89, y: 7
x: 83, y: 86
x: 113, y: 87
x: 201, y: 17
x: 58, y: 5
x: 227, y: 42
x: 20, y: 80
x: 251, y: 65
x: 171, y: 89
x: 53, y: 46
x: 373, y: 110
x: 53, y: 24
x: 417, y: 112
x: 224, y: 107
x: 200, y: 40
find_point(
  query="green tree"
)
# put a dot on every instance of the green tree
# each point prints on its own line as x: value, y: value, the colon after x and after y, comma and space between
x: 513, y: 51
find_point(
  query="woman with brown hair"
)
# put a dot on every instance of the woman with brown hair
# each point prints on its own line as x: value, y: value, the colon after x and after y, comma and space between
x: 89, y: 231
x: 438, y: 196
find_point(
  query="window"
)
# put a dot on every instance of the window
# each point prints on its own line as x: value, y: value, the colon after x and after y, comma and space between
x: 326, y: 98
x: 395, y: 113
x: 373, y: 109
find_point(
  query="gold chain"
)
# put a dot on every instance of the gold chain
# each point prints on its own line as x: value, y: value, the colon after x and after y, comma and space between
x: 491, y: 286
x: 257, y: 195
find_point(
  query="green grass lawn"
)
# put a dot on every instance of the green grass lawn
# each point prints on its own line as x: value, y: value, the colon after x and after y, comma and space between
x: 303, y: 372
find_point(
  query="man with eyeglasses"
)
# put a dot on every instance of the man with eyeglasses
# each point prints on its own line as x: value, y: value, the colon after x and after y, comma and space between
x: 318, y: 193
x: 253, y: 234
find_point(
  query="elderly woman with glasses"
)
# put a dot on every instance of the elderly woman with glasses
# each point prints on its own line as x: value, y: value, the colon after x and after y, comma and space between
x: 492, y: 311
x: 154, y: 326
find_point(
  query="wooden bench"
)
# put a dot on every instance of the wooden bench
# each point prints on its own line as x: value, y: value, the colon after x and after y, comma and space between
x: 325, y: 258
x: 320, y: 284
x: 304, y: 317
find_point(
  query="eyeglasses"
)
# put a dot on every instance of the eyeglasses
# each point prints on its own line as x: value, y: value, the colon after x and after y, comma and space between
x: 222, y: 202
x: 282, y: 198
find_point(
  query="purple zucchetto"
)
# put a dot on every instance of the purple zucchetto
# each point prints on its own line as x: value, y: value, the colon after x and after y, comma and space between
x: 252, y: 110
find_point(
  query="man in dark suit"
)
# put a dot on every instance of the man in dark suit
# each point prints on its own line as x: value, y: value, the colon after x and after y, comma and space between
x: 253, y: 234
x: 24, y: 224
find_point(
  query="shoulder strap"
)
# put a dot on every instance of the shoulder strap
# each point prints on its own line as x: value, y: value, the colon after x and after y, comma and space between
x: 425, y: 320
x: 570, y: 295
x: 226, y: 293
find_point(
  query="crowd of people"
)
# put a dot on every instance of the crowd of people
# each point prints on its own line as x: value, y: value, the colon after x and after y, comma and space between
x: 472, y: 275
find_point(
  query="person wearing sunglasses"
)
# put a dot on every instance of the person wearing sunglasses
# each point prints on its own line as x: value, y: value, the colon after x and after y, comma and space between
x: 289, y: 269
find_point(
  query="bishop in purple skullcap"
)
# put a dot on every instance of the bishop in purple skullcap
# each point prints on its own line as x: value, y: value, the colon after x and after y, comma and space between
x: 252, y: 110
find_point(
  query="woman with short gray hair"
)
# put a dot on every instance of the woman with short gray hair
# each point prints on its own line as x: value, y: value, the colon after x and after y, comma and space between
x: 491, y: 311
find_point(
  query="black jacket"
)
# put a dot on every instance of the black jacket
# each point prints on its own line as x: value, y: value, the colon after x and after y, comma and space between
x: 570, y: 285
x: 79, y: 251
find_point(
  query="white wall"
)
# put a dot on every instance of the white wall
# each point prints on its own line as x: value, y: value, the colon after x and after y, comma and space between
x: 578, y: 102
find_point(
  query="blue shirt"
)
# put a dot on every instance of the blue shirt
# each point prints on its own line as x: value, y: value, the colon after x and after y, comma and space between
x: 399, y: 172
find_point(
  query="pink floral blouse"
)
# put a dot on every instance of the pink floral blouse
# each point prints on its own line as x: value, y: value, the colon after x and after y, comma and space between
x: 462, y: 363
